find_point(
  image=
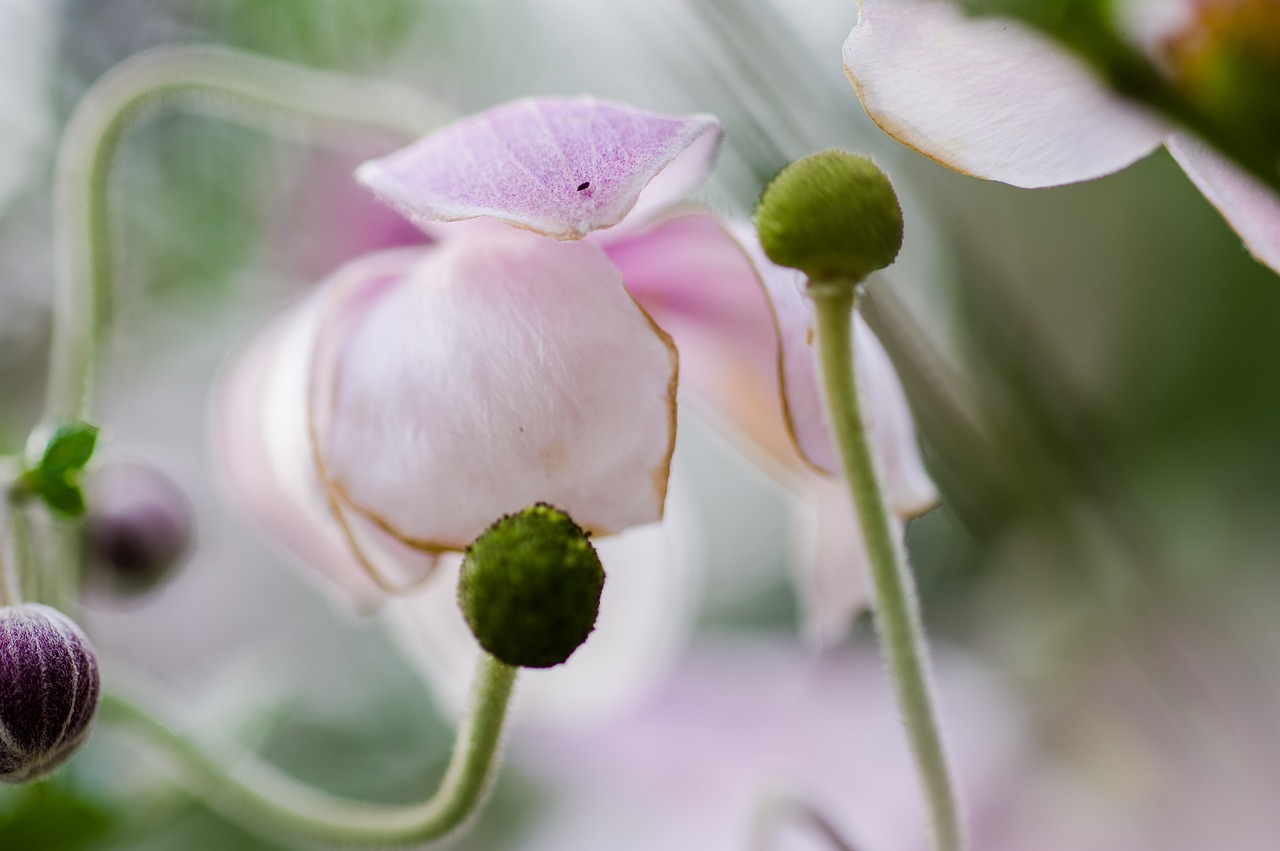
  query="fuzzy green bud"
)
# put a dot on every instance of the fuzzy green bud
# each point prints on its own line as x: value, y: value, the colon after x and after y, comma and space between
x: 832, y: 215
x: 530, y: 587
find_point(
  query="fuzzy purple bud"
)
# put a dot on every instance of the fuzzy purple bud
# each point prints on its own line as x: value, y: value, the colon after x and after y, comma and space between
x: 138, y: 528
x: 48, y: 691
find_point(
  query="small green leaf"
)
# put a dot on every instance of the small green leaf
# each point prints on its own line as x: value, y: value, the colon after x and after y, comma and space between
x: 69, y: 449
x: 62, y: 495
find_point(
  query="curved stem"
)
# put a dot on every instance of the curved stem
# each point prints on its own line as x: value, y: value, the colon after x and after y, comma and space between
x: 260, y: 797
x: 276, y: 94
x: 897, y: 608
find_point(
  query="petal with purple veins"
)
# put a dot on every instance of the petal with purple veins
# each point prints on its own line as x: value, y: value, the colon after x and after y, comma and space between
x: 562, y: 167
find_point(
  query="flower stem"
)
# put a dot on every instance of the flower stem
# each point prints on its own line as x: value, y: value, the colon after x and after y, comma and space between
x: 897, y: 607
x: 260, y: 797
x: 11, y: 573
x: 253, y: 90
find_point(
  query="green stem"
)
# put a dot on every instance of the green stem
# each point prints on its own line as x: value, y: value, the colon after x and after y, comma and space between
x: 11, y: 573
x: 897, y: 608
x: 255, y: 91
x: 277, y: 95
x: 260, y: 797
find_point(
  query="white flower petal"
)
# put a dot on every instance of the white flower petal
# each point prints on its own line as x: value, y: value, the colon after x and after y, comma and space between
x: 890, y: 426
x: 1249, y: 207
x: 263, y: 452
x: 698, y: 283
x: 832, y: 569
x: 502, y: 371
x: 652, y: 581
x: 989, y: 97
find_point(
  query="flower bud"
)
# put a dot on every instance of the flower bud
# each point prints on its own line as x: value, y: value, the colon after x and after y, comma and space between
x: 530, y: 587
x: 48, y: 691
x: 832, y: 215
x: 138, y: 527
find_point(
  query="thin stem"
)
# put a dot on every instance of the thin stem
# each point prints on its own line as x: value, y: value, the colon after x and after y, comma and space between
x: 276, y: 94
x: 897, y: 608
x: 260, y: 797
x: 10, y: 542
x: 252, y: 90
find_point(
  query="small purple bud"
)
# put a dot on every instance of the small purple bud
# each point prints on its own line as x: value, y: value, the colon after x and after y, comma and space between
x: 138, y: 527
x: 48, y: 691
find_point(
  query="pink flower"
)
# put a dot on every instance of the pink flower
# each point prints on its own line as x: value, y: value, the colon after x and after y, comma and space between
x: 993, y: 99
x: 526, y: 355
x: 740, y: 723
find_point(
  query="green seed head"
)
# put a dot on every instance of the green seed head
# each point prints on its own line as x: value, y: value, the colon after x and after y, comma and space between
x: 530, y: 587
x: 832, y: 215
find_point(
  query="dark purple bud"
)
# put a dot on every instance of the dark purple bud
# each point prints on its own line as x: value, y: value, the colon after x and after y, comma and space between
x: 48, y: 690
x: 138, y: 528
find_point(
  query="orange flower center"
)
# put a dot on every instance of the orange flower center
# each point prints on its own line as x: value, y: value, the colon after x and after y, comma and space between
x: 1227, y: 59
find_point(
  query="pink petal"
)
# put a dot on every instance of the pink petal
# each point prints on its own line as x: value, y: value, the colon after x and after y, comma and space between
x: 264, y: 453
x: 890, y: 425
x: 1250, y: 208
x: 696, y: 281
x: 989, y: 97
x: 559, y: 166
x: 646, y: 614
x: 505, y: 369
x: 727, y: 306
x: 744, y: 719
x: 832, y: 570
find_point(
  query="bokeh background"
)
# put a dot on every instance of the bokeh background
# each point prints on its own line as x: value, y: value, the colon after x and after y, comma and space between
x: 1093, y: 369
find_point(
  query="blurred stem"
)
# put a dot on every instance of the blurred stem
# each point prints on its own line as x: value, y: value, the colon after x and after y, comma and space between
x: 257, y: 796
x: 11, y: 572
x: 897, y: 607
x: 251, y: 90
x: 774, y: 811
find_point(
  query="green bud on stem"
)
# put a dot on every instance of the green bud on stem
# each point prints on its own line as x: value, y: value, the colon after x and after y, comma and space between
x: 832, y: 215
x: 530, y: 587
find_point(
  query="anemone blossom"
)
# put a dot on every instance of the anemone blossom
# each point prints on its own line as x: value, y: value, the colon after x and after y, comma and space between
x: 994, y: 99
x: 528, y: 353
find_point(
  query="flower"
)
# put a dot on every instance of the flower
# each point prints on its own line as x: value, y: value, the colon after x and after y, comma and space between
x: 994, y: 99
x: 744, y: 721
x: 527, y: 355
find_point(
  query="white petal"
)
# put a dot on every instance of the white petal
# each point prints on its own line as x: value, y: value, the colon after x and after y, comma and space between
x: 890, y: 426
x: 698, y: 283
x: 832, y: 569
x: 989, y: 97
x: 652, y: 580
x: 263, y: 452
x: 505, y: 370
x: 1249, y: 207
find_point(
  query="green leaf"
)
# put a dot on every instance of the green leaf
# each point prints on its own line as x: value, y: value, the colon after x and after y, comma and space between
x: 52, y: 816
x: 62, y: 495
x: 68, y: 450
